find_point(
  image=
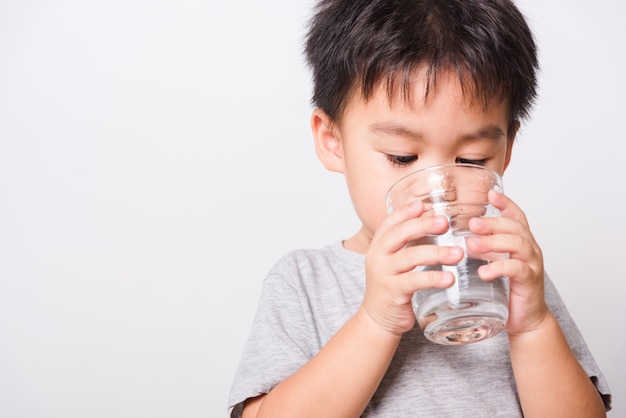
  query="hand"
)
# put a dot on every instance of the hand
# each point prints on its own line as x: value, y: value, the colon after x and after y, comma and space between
x: 389, y: 264
x: 511, y: 234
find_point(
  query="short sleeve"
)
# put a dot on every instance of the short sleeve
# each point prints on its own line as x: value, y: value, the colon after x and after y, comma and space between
x: 279, y: 343
x: 577, y: 342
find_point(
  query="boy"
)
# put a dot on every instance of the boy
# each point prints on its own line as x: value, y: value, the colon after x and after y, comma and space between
x: 398, y: 86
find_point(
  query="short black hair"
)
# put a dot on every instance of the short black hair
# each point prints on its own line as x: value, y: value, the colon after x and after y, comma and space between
x: 357, y: 44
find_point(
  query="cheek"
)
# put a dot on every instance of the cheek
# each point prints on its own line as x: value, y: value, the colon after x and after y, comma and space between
x: 369, y: 203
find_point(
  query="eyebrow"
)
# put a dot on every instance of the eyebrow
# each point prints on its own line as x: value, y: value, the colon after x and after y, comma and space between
x: 491, y: 132
x: 395, y: 129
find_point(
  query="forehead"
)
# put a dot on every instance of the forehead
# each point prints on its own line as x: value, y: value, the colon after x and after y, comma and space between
x: 418, y: 87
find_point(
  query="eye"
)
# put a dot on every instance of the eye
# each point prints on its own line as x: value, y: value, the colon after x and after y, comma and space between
x: 468, y: 161
x: 402, y: 160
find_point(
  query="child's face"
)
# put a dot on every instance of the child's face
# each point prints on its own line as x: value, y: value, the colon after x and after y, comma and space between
x: 377, y: 142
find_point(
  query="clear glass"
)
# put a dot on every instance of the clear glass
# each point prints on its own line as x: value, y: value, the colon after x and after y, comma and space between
x: 471, y: 310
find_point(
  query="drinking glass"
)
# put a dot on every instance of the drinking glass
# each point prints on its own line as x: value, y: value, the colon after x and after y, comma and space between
x: 470, y: 310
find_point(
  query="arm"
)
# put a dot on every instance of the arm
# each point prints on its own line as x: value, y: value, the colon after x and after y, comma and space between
x: 341, y: 379
x: 549, y: 378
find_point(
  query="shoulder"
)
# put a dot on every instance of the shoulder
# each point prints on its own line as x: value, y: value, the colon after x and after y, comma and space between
x: 329, y: 259
x: 330, y: 278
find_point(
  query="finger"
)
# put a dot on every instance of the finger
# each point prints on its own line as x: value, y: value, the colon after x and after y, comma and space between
x: 398, y: 235
x: 524, y: 258
x: 514, y: 244
x: 403, y: 213
x: 425, y: 255
x: 505, y: 268
x: 413, y: 281
x: 497, y: 225
x: 507, y: 207
x: 502, y: 235
x: 398, y: 216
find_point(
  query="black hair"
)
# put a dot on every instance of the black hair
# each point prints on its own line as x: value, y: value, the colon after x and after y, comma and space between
x: 357, y: 44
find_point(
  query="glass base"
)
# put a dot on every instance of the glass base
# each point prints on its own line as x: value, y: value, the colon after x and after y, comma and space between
x: 464, y: 330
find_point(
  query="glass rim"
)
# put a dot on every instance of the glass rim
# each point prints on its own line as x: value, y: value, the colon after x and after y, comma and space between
x: 497, y: 175
x: 497, y: 178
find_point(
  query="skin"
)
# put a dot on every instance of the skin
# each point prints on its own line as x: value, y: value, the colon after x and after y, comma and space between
x: 375, y: 143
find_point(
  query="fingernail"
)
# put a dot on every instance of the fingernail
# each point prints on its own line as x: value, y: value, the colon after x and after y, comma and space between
x: 485, y: 269
x: 477, y: 221
x: 447, y: 277
x: 416, y: 206
x: 456, y: 251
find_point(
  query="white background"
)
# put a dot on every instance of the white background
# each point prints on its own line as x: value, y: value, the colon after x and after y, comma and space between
x: 156, y: 160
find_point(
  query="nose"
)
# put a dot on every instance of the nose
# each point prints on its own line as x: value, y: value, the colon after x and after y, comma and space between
x: 435, y: 161
x: 442, y: 188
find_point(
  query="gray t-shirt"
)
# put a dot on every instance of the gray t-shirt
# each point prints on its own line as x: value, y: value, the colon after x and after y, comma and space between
x: 310, y: 294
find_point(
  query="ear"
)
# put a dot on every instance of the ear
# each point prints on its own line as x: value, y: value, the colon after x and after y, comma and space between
x: 510, y: 140
x: 327, y: 141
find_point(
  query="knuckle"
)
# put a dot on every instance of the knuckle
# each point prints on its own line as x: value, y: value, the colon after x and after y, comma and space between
x: 520, y: 242
x: 432, y: 278
x: 520, y: 268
